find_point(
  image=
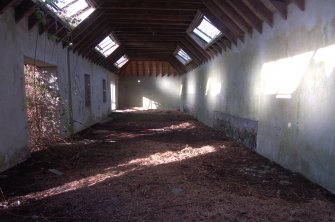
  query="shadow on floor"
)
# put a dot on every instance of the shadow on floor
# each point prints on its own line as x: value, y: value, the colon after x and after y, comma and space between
x: 162, y: 167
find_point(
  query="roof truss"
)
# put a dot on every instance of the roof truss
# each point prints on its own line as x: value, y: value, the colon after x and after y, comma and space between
x: 149, y: 31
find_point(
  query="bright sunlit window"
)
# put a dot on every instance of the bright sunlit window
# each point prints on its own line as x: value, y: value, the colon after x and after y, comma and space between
x: 73, y: 11
x: 107, y: 46
x: 121, y: 62
x: 183, y: 57
x: 206, y: 30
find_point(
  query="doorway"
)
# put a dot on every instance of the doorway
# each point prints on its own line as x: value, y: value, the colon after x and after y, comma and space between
x: 43, y: 104
x: 113, y: 96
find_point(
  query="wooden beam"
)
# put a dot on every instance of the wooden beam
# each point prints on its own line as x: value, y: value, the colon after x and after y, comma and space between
x: 234, y: 16
x: 192, y: 52
x: 26, y: 8
x: 260, y: 10
x: 275, y: 6
x: 95, y: 19
x: 92, y: 39
x: 300, y: 3
x: 196, y: 47
x: 221, y: 44
x: 153, y: 5
x: 6, y: 4
x: 126, y: 17
x: 181, y: 69
x: 225, y: 20
x: 248, y: 15
x: 219, y: 24
x: 32, y: 21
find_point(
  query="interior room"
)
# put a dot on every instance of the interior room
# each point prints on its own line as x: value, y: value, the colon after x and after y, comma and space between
x: 167, y: 110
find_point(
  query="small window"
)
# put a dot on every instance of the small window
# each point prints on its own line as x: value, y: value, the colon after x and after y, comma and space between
x: 183, y: 57
x: 107, y: 46
x: 104, y: 91
x: 73, y: 11
x: 123, y: 60
x: 87, y: 90
x: 206, y: 30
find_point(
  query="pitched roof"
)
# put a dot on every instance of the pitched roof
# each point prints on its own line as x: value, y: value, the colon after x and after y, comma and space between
x: 150, y: 32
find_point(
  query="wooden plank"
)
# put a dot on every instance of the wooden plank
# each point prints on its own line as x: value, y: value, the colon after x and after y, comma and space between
x: 156, y: 5
x: 32, y: 21
x: 91, y: 40
x: 234, y: 16
x: 277, y: 7
x: 220, y: 25
x: 248, y: 15
x: 225, y: 20
x: 26, y: 8
x: 195, y: 47
x: 6, y: 4
x: 300, y: 3
x: 260, y: 10
x: 95, y: 19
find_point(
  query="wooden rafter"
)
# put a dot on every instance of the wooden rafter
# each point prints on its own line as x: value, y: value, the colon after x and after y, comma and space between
x: 299, y: 3
x: 150, y: 31
x: 25, y: 8
x: 260, y: 10
x: 6, y: 4
x: 279, y: 7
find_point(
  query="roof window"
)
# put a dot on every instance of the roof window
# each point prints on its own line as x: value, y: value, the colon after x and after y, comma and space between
x: 107, y: 46
x: 121, y: 62
x: 183, y: 57
x: 206, y: 30
x: 73, y: 11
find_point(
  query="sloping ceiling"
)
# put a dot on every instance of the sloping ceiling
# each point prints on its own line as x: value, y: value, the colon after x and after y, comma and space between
x: 150, y: 31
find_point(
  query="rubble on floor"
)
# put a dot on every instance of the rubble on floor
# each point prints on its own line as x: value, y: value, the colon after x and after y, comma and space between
x: 157, y: 166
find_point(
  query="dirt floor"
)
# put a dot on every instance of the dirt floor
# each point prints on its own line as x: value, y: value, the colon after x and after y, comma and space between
x: 157, y: 166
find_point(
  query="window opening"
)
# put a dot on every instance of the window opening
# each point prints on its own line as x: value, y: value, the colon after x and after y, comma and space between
x: 87, y: 90
x: 107, y: 46
x: 113, y: 95
x: 73, y: 11
x: 45, y: 109
x: 206, y: 30
x: 183, y: 57
x: 104, y: 91
x: 121, y: 62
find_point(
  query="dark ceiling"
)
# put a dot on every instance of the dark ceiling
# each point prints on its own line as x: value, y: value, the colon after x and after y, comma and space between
x: 150, y: 31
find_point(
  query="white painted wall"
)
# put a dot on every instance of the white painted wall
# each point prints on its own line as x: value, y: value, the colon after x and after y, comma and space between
x: 294, y: 58
x: 16, y: 43
x: 152, y: 92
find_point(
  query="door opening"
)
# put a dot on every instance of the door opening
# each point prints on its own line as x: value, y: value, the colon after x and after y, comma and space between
x: 43, y: 105
x: 113, y: 96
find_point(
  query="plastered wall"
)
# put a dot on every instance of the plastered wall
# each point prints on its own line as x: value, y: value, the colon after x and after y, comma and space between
x: 19, y: 45
x: 280, y: 84
x: 150, y: 92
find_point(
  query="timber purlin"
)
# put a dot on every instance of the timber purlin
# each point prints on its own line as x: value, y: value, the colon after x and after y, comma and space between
x: 150, y: 31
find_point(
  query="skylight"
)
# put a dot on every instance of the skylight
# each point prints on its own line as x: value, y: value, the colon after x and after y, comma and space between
x: 183, y: 57
x: 107, y: 46
x: 73, y: 11
x: 206, y: 30
x: 123, y: 60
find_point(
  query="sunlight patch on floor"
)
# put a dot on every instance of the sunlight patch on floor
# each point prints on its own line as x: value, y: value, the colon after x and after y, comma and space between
x: 184, y: 125
x: 113, y: 172
x: 173, y: 156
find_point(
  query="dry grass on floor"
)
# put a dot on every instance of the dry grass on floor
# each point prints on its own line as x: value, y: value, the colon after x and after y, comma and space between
x: 157, y: 166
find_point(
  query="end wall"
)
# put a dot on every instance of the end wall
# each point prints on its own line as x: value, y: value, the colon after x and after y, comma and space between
x: 150, y: 92
x: 274, y: 92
